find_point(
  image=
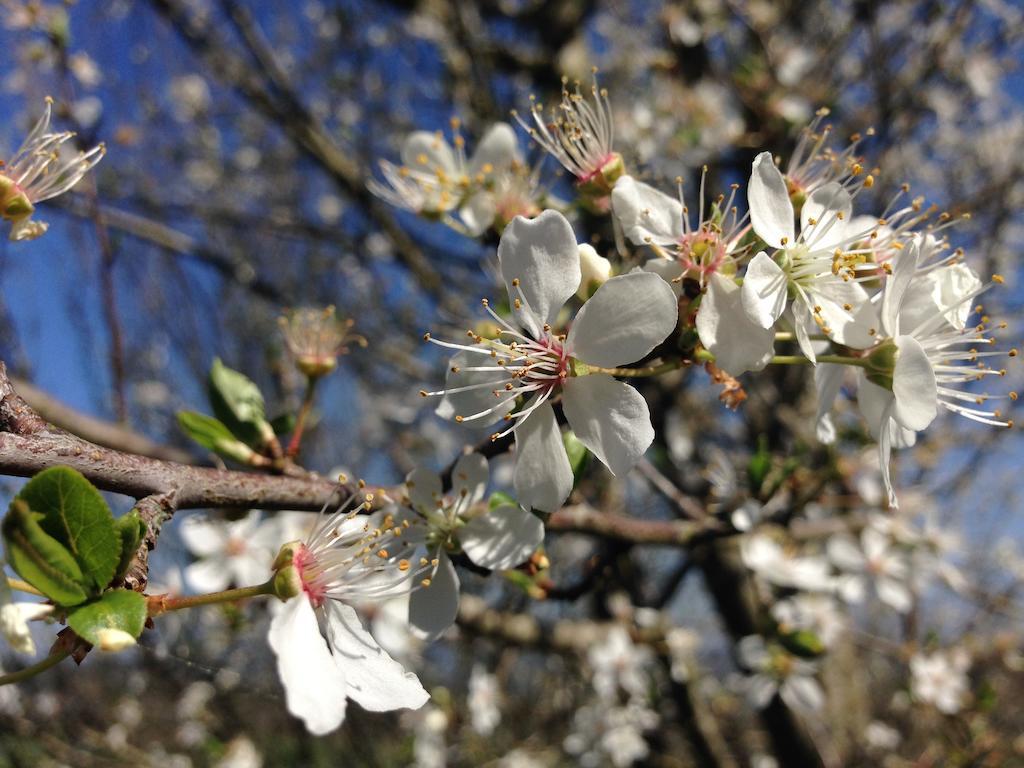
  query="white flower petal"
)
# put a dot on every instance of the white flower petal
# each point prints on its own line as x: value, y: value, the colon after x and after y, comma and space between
x: 914, y: 385
x: 610, y: 418
x: 625, y: 319
x: 314, y: 684
x: 477, y: 213
x: 203, y: 537
x: 668, y: 270
x: 828, y: 379
x: 894, y: 594
x: 645, y: 214
x: 896, y: 285
x: 844, y: 552
x: 764, y: 291
x: 373, y: 679
x: 468, y: 402
x: 428, y: 152
x: 502, y: 537
x: 771, y: 212
x: 543, y: 478
x: 495, y: 152
x: 830, y: 207
x: 470, y: 476
x: 433, y: 609
x: 851, y: 327
x: 802, y: 692
x: 738, y: 344
x: 543, y: 255
x: 209, y: 575
x: 424, y: 489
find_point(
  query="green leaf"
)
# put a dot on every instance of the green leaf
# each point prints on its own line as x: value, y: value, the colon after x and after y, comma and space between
x: 237, y: 402
x: 39, y: 558
x: 579, y: 456
x: 118, y: 609
x: 760, y: 464
x: 283, y: 424
x: 803, y: 642
x: 130, y: 529
x: 500, y: 499
x: 214, y: 435
x: 76, y: 515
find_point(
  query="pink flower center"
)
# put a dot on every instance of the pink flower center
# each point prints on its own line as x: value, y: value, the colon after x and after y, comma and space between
x: 315, y: 589
x: 701, y: 253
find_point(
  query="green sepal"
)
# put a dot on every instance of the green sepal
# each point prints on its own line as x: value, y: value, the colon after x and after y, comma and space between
x: 75, y: 514
x: 501, y: 499
x: 39, y: 558
x: 130, y: 529
x: 118, y: 609
x: 803, y: 643
x: 214, y: 435
x: 579, y: 456
x: 238, y: 403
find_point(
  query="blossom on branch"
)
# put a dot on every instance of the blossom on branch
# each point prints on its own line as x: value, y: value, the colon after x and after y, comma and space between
x: 518, y: 375
x: 37, y: 172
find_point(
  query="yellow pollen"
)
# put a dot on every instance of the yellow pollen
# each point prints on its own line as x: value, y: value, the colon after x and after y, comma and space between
x: 425, y: 582
x: 383, y: 554
x: 403, y: 565
x: 998, y: 279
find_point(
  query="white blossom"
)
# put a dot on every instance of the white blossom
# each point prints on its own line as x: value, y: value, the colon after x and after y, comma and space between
x: 497, y: 538
x: 777, y: 672
x: 343, y: 562
x: 623, y: 321
x: 38, y: 172
x: 230, y: 552
x: 940, y: 679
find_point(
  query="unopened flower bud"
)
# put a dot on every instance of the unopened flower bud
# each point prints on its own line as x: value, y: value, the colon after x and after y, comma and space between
x: 287, y: 583
x: 594, y: 271
x: 114, y: 640
x: 286, y: 556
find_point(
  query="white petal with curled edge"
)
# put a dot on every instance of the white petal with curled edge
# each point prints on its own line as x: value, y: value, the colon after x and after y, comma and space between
x: 209, y: 575
x: 470, y: 476
x: 374, y: 680
x: 475, y: 400
x: 543, y: 478
x: 669, y: 270
x: 771, y: 212
x: 424, y: 489
x: 914, y: 385
x: 433, y: 609
x: 427, y: 152
x: 646, y: 215
x: 496, y: 151
x: 828, y: 379
x: 625, y: 319
x: 830, y: 208
x: 800, y: 316
x: 943, y: 290
x: 502, y: 537
x: 764, y: 291
x: 543, y: 255
x: 610, y: 418
x: 896, y: 285
x: 738, y: 344
x: 314, y: 683
x: 203, y: 537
